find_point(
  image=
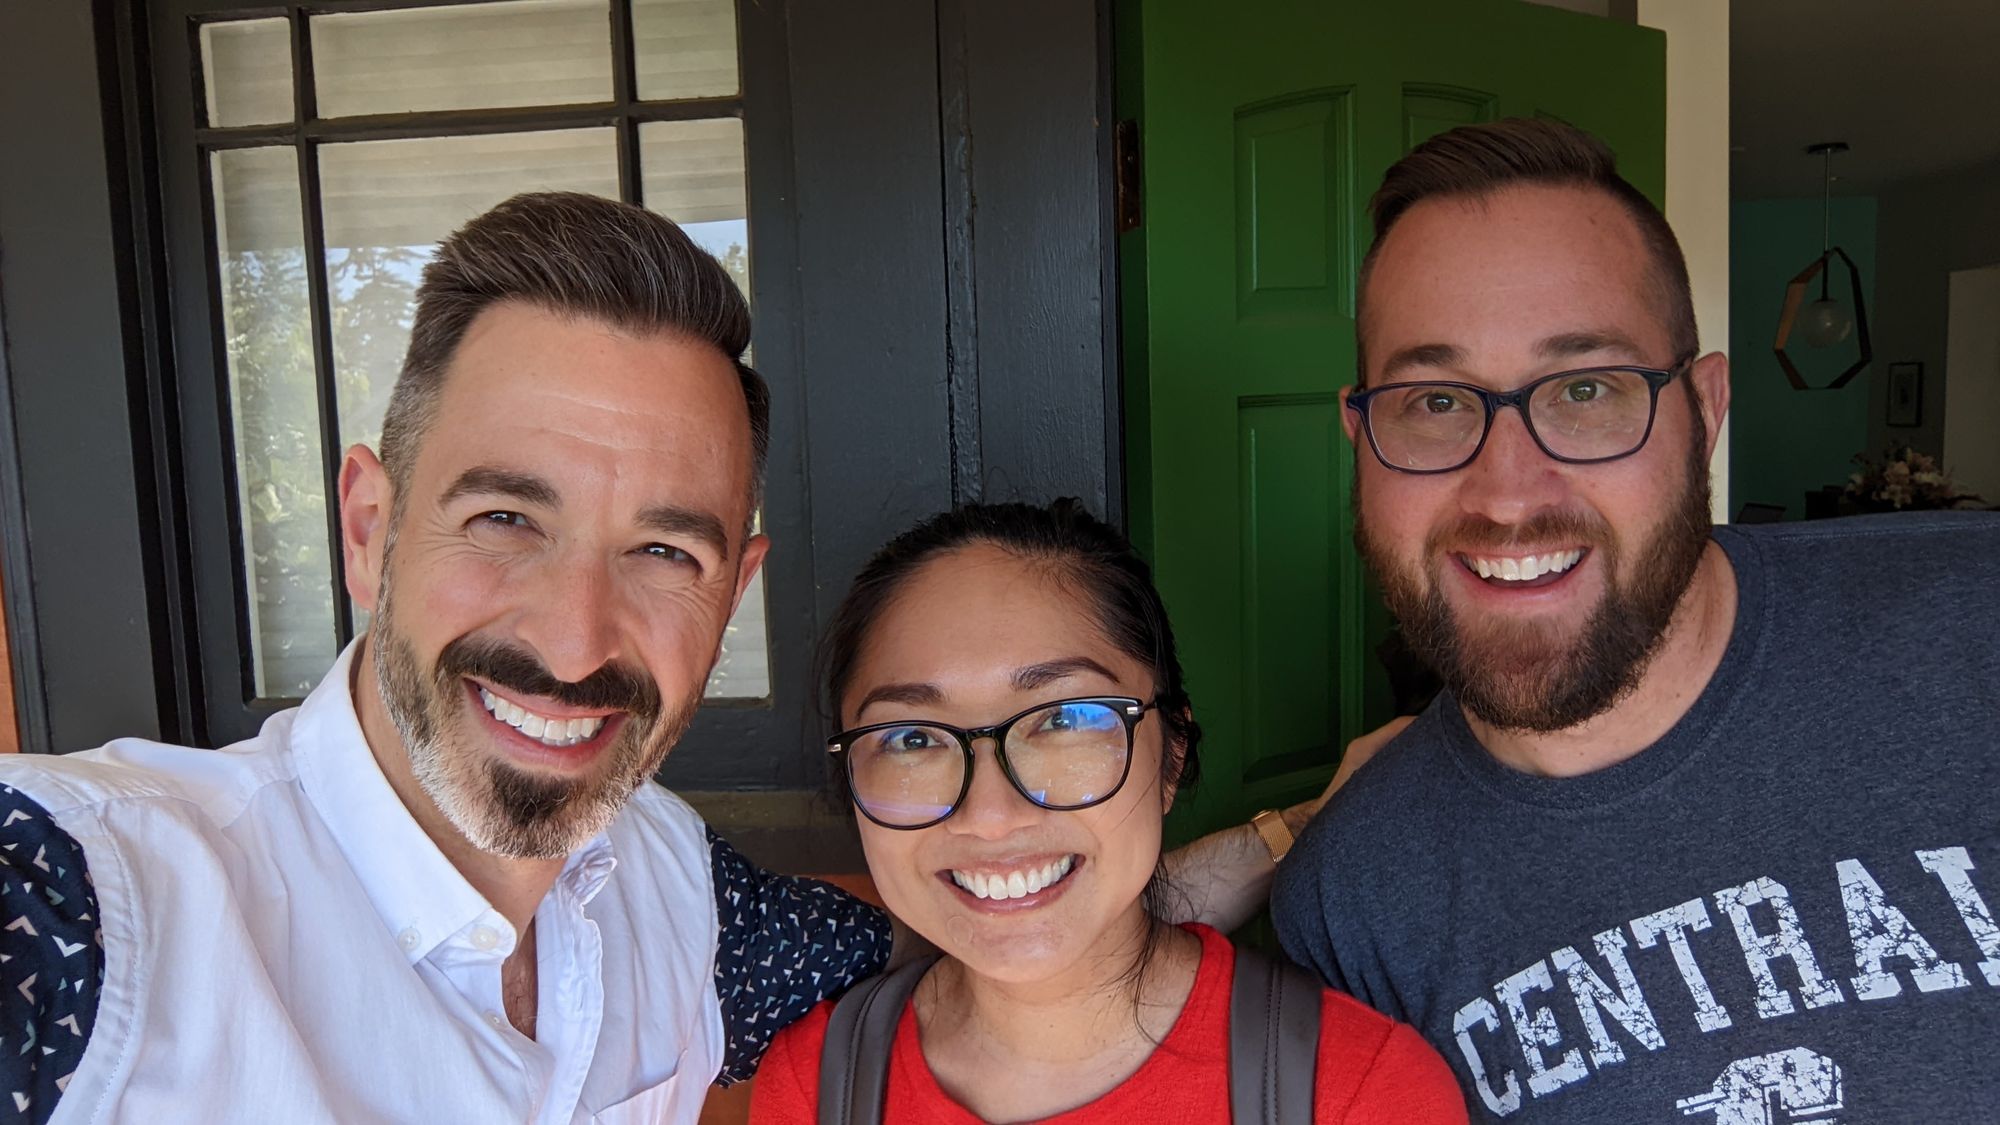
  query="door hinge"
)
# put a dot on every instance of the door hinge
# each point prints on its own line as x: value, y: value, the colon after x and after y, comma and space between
x: 1125, y: 160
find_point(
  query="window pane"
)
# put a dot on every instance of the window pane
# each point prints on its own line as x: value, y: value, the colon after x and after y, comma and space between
x: 281, y: 497
x: 692, y: 172
x: 744, y: 671
x: 685, y: 48
x: 388, y: 204
x: 471, y: 56
x: 246, y: 71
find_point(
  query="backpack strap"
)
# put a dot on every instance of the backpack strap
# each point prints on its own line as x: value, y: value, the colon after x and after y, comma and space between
x: 1273, y: 1041
x: 854, y: 1060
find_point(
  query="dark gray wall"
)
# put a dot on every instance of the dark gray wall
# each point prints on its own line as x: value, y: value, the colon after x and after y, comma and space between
x: 1925, y: 229
x: 76, y: 577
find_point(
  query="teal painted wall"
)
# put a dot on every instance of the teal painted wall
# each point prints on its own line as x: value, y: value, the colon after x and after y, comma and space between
x: 1784, y: 443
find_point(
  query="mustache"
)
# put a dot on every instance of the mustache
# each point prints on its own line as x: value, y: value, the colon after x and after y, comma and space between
x: 612, y: 687
x: 1475, y: 532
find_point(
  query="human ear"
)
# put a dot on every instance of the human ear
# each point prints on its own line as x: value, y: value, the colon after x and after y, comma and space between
x: 367, y: 502
x: 754, y: 549
x: 1171, y: 771
x: 1710, y: 377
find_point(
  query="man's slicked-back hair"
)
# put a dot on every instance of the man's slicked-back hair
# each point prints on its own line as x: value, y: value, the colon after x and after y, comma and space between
x: 575, y: 255
x: 1475, y: 161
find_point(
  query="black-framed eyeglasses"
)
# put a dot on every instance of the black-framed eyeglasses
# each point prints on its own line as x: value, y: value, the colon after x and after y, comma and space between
x: 1581, y: 417
x: 1066, y: 755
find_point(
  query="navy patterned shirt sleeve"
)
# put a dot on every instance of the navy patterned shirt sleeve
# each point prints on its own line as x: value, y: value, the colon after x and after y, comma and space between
x: 787, y: 942
x: 51, y: 958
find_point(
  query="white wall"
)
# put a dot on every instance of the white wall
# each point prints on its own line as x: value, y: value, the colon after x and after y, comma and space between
x: 1926, y: 230
x: 1972, y: 382
x: 1698, y: 170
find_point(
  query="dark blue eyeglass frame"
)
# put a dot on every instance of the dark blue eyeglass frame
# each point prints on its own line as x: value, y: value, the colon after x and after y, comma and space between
x: 1518, y: 398
x: 1127, y: 708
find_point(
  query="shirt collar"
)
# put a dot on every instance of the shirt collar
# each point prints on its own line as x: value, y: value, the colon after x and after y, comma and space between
x: 588, y: 868
x: 421, y: 898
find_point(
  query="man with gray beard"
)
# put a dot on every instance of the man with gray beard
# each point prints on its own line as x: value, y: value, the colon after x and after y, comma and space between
x: 443, y: 889
x: 1701, y: 827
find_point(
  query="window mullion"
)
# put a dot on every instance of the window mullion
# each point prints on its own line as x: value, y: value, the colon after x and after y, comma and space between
x: 305, y: 105
x: 625, y: 91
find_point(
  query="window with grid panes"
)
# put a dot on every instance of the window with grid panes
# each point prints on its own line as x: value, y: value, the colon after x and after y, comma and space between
x: 338, y: 147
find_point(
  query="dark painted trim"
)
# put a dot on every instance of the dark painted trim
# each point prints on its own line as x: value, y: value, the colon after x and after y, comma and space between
x: 92, y: 642
x: 866, y: 144
x: 463, y: 122
x: 1113, y: 357
x: 126, y: 81
x: 1033, y: 85
x: 31, y: 710
x: 961, y: 268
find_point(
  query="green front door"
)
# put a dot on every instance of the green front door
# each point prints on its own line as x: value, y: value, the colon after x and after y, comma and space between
x: 1265, y: 126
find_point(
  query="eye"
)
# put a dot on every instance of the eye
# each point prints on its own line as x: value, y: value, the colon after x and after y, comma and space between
x: 667, y: 552
x: 1068, y: 718
x: 1582, y: 390
x: 501, y: 520
x: 1434, y: 400
x: 906, y: 740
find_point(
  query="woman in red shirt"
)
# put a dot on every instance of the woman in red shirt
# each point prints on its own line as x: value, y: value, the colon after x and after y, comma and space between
x: 1016, y: 729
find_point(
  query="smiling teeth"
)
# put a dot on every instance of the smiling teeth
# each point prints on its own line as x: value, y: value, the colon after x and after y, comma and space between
x: 1014, y: 884
x: 1523, y: 570
x: 547, y: 731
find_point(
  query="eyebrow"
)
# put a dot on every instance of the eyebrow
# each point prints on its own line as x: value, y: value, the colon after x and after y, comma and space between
x: 1568, y: 344
x: 671, y: 519
x: 1051, y: 671
x: 1422, y: 355
x: 1026, y: 678
x: 486, y: 480
x: 920, y: 695
x: 1563, y: 345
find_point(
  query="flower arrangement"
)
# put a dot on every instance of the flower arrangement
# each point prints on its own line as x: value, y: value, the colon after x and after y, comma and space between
x: 1902, y: 480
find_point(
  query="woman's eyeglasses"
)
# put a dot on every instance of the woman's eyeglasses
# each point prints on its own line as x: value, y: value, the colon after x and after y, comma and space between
x: 1066, y: 755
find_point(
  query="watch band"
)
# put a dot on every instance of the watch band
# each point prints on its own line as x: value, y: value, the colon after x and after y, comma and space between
x: 1270, y: 824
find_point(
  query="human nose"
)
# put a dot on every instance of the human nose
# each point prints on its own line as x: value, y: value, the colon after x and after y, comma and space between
x: 1511, y: 478
x: 571, y: 622
x: 992, y: 808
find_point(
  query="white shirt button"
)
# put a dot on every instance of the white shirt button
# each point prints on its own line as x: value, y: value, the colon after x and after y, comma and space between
x: 408, y: 939
x: 485, y: 937
x: 498, y: 1021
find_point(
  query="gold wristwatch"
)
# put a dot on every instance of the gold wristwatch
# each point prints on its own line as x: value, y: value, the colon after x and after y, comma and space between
x: 1270, y: 824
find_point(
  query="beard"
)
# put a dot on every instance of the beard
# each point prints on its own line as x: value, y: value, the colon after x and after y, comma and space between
x: 497, y: 807
x: 1528, y: 675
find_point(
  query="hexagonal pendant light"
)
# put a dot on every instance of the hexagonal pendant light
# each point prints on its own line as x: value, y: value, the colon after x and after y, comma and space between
x: 1825, y: 323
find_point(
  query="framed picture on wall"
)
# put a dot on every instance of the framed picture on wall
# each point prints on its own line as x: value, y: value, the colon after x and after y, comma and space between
x: 1906, y: 394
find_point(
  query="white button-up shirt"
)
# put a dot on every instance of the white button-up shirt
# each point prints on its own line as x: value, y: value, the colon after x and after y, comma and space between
x: 283, y: 943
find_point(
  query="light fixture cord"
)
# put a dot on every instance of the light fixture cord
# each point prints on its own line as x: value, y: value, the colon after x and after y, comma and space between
x: 1825, y: 221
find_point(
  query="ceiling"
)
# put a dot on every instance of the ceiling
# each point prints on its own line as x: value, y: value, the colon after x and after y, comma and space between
x: 1912, y: 85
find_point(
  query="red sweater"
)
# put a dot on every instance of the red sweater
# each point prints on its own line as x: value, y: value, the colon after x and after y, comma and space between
x: 1371, y: 1069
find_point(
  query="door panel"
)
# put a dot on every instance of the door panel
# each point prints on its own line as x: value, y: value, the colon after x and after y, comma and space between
x: 1264, y: 132
x: 1429, y: 109
x: 1294, y: 165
